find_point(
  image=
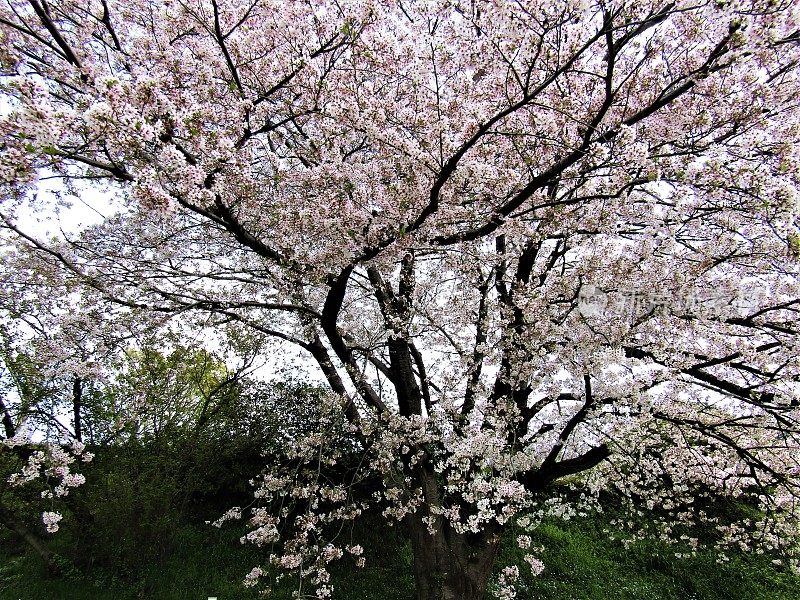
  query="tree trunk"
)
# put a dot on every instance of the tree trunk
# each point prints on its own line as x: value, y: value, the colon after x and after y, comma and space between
x: 449, y: 565
x: 77, y: 405
x: 8, y: 423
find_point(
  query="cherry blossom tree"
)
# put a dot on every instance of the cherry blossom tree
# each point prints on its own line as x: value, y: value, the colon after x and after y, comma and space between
x: 529, y: 245
x: 57, y: 343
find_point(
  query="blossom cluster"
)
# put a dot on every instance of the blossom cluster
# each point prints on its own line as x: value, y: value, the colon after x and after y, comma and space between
x: 52, y: 465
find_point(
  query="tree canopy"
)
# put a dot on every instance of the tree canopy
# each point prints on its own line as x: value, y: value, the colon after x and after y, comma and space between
x: 526, y: 244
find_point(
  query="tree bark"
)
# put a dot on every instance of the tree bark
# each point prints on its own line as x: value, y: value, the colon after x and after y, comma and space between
x: 77, y: 405
x: 450, y: 565
x: 8, y: 423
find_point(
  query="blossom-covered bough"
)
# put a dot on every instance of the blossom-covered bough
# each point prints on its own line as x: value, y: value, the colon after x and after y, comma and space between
x: 538, y: 250
x: 56, y: 346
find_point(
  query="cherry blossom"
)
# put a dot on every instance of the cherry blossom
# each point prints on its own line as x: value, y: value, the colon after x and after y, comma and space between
x: 538, y: 251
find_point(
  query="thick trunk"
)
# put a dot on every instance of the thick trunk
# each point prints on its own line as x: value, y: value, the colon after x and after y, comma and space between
x: 449, y: 565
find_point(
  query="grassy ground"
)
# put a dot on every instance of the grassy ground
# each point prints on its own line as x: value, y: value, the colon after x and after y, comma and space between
x: 203, y: 564
x: 581, y: 564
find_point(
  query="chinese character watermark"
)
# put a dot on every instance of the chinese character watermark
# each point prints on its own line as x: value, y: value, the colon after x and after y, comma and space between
x: 635, y: 303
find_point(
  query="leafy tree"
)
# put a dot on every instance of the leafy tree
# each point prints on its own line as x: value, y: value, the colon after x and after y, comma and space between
x: 50, y: 352
x: 527, y: 244
x: 168, y: 430
x: 181, y: 389
x: 172, y: 449
x: 280, y: 413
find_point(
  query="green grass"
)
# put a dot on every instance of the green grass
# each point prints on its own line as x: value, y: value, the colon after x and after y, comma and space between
x: 203, y: 562
x: 388, y: 571
x: 581, y: 563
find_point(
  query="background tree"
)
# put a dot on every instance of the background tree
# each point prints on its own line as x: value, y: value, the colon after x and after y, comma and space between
x: 180, y: 389
x: 53, y: 344
x: 525, y: 243
x: 57, y: 345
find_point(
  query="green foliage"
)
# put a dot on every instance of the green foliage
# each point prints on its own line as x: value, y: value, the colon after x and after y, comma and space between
x: 388, y: 571
x: 794, y: 244
x: 141, y: 495
x: 581, y: 562
x: 23, y: 501
x: 204, y: 562
x: 167, y: 393
x: 278, y: 413
x: 20, y: 378
x: 137, y: 529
